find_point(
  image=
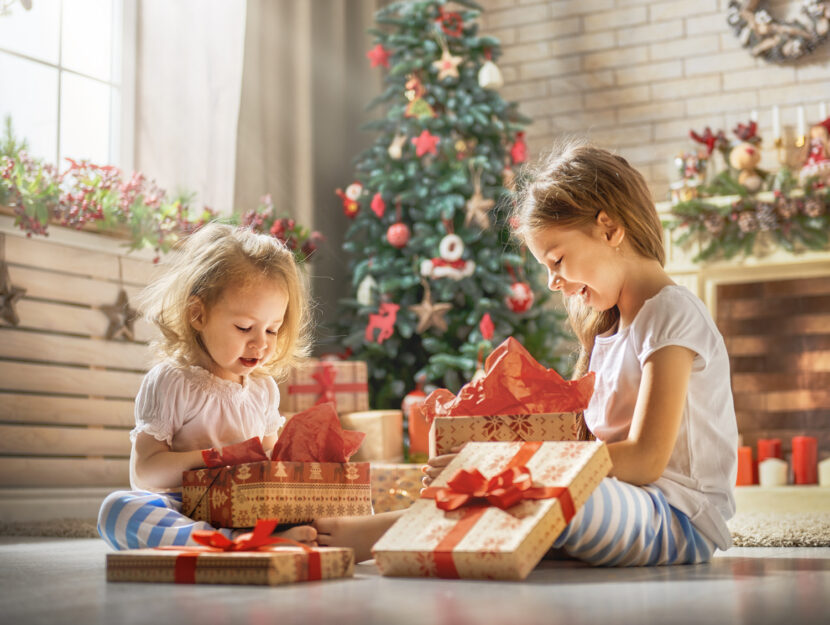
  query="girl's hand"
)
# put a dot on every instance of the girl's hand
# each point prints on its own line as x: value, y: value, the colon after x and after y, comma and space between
x: 435, y: 465
x: 305, y: 534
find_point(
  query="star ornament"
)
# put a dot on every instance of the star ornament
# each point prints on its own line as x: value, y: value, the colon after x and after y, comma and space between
x: 379, y: 56
x: 9, y: 296
x: 478, y: 210
x: 447, y: 65
x: 121, y: 317
x: 426, y: 143
x: 430, y: 314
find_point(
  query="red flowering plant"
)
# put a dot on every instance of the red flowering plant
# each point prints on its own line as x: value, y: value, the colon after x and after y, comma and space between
x: 87, y: 195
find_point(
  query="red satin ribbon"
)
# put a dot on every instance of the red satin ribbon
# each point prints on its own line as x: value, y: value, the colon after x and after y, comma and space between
x: 326, y: 387
x: 455, y: 264
x: 257, y: 540
x: 472, y: 490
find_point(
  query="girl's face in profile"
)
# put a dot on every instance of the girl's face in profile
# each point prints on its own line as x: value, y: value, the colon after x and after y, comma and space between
x: 581, y: 262
x: 240, y: 330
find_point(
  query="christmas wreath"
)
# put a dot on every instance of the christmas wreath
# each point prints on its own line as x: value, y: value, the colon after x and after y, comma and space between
x: 778, y: 41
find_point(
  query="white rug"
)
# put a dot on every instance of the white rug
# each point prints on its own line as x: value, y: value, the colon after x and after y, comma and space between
x: 780, y: 529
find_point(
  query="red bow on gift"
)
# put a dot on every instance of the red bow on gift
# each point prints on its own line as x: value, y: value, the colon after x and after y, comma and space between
x: 503, y: 490
x: 325, y: 377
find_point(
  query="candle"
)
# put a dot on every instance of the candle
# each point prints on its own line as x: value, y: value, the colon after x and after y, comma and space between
x: 769, y: 448
x: 805, y: 454
x: 824, y: 472
x: 745, y: 467
x: 753, y: 115
x: 776, y: 122
x: 801, y: 129
x: 822, y: 111
x: 772, y: 472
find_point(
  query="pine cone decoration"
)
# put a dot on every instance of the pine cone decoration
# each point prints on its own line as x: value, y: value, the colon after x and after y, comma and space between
x: 747, y: 222
x: 814, y: 208
x: 787, y: 209
x: 713, y: 223
x: 767, y: 219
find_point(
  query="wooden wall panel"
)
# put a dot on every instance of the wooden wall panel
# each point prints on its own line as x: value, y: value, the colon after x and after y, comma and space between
x: 41, y: 440
x: 62, y: 410
x: 777, y: 333
x: 63, y: 472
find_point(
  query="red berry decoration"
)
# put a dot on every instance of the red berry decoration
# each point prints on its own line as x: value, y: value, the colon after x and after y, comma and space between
x: 521, y: 298
x: 398, y: 235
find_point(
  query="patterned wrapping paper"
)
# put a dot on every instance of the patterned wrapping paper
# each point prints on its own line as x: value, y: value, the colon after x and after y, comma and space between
x: 269, y: 568
x: 448, y: 432
x: 395, y: 486
x: 384, y: 434
x: 293, y: 492
x: 499, y: 544
x: 343, y: 381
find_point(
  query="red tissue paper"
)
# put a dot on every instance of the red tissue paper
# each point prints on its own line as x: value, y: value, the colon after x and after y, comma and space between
x: 315, y: 435
x: 239, y: 453
x: 514, y: 383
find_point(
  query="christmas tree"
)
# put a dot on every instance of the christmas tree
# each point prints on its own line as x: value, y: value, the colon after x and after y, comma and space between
x: 436, y: 277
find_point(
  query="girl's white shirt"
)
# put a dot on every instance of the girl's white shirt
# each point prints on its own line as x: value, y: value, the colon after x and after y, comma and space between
x: 189, y: 408
x: 700, y: 476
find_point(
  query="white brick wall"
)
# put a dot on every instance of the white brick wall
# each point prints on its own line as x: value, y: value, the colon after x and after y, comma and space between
x: 636, y: 75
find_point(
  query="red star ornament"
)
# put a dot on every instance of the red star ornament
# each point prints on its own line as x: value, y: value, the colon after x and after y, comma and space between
x: 379, y: 56
x: 426, y: 143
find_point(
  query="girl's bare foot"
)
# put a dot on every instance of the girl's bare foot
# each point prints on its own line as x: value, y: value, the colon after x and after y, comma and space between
x: 358, y: 532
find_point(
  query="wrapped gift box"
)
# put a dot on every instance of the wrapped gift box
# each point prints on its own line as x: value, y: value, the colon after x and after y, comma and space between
x: 384, y: 434
x: 344, y: 382
x: 279, y: 565
x: 294, y: 492
x: 448, y: 432
x: 482, y: 540
x: 395, y: 486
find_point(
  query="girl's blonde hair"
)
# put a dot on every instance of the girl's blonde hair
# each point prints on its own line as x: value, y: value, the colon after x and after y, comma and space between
x: 209, y: 260
x: 568, y: 189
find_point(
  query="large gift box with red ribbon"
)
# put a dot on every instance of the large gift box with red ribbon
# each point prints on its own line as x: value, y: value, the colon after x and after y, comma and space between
x: 494, y: 511
x: 342, y: 382
x: 254, y: 558
x: 516, y: 399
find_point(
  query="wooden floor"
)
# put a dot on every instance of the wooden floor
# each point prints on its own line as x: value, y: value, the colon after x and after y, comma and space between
x: 53, y: 580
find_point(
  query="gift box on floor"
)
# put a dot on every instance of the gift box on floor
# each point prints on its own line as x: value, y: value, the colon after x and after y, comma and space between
x: 384, y: 434
x: 494, y: 511
x: 296, y: 492
x: 233, y: 562
x: 395, y: 486
x: 343, y: 382
x: 445, y: 433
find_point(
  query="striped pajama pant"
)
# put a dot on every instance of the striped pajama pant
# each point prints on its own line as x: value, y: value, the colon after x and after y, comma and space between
x: 136, y: 519
x: 626, y: 525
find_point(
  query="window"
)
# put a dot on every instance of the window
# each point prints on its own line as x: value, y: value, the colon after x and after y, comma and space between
x: 67, y: 78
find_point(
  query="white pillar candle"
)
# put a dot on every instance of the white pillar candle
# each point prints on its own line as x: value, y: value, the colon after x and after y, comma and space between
x: 822, y: 111
x: 824, y: 472
x: 776, y: 122
x: 801, y: 128
x: 753, y: 116
x: 772, y: 472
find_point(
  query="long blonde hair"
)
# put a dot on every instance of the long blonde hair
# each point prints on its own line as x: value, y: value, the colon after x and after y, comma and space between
x: 568, y: 189
x: 209, y: 260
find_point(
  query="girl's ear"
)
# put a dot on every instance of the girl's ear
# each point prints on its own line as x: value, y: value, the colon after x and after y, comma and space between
x: 612, y: 232
x: 196, y: 313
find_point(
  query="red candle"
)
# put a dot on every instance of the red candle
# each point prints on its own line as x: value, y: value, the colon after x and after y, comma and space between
x: 769, y: 448
x: 805, y: 459
x: 745, y: 467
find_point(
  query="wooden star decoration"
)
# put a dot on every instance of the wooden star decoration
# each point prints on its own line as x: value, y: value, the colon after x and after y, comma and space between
x: 478, y: 210
x: 121, y: 317
x: 430, y: 314
x: 447, y: 65
x: 9, y: 295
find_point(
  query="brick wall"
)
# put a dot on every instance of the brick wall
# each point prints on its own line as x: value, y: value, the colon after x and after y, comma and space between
x: 636, y: 75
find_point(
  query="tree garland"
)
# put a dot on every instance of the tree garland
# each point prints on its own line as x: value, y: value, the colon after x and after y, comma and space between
x: 792, y: 218
x: 778, y: 41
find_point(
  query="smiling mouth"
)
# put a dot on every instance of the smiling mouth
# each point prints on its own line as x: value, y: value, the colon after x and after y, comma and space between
x: 249, y: 362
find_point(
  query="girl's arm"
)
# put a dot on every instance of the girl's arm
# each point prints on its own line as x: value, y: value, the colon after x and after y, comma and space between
x: 156, y: 466
x: 643, y: 456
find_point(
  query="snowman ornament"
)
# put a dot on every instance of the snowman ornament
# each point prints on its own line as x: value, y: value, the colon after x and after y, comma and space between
x: 449, y: 264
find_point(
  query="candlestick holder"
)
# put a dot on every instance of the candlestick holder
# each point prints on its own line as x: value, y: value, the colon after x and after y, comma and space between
x: 784, y: 150
x: 800, y: 141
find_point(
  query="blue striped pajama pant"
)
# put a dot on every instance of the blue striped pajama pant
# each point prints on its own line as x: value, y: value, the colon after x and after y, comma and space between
x: 626, y: 525
x: 136, y: 519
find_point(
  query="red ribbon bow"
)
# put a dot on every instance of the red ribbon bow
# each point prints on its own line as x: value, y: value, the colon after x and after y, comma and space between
x: 504, y: 490
x: 325, y: 375
x: 257, y: 540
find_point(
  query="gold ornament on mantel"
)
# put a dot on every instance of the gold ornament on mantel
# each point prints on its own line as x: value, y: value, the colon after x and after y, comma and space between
x: 478, y: 207
x: 9, y: 295
x: 121, y: 317
x: 429, y: 313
